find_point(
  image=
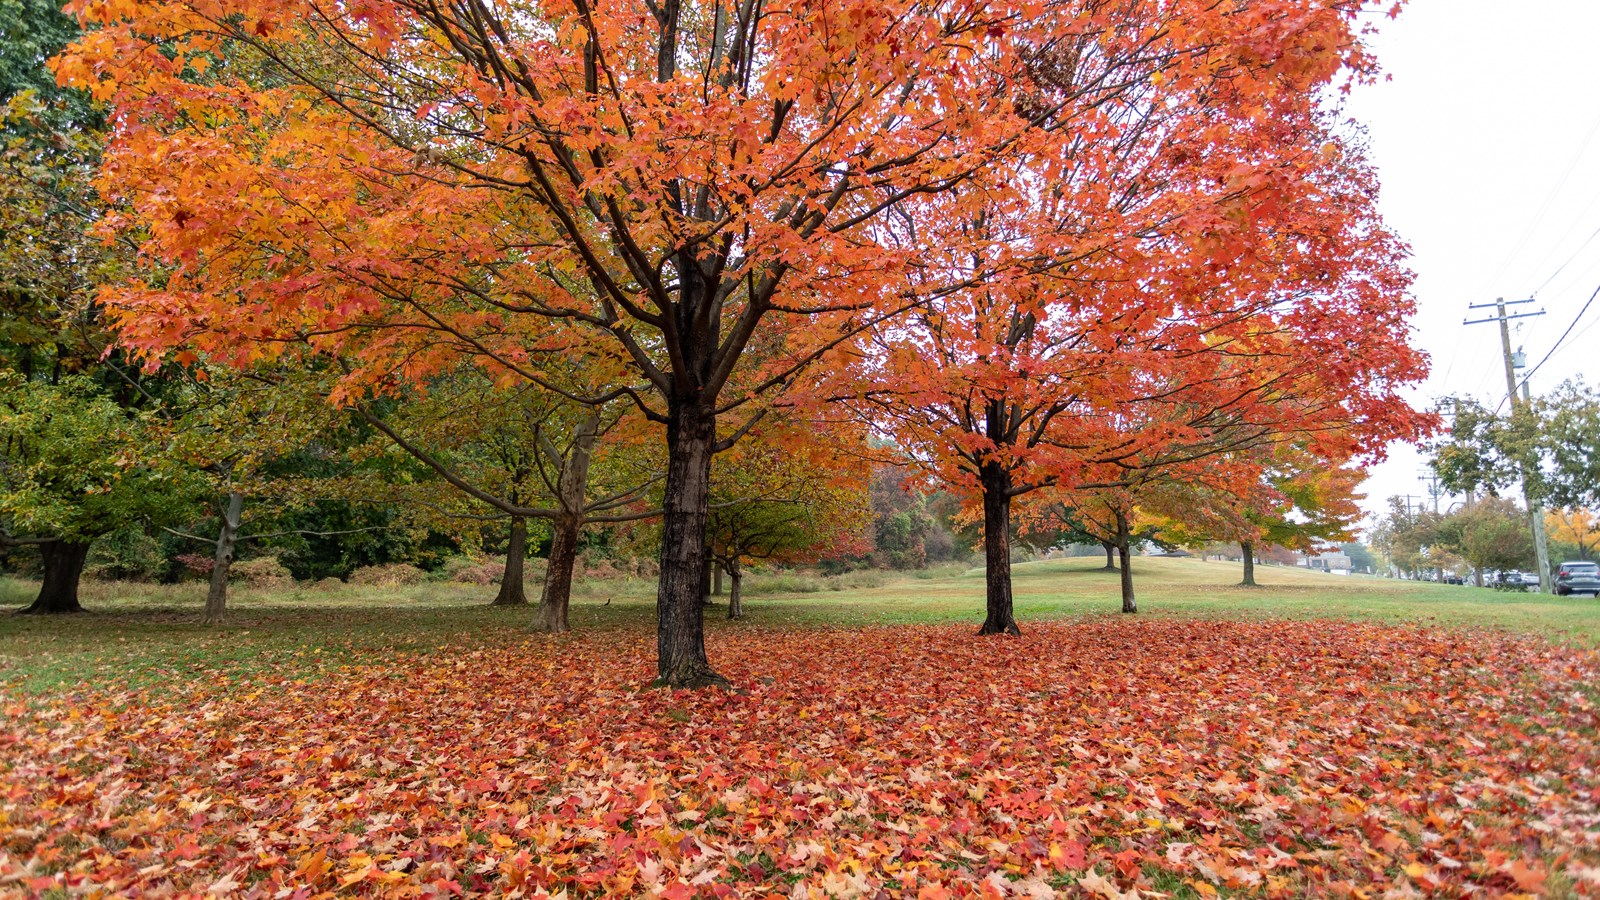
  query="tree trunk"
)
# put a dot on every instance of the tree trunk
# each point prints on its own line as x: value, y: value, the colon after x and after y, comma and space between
x: 680, y: 614
x: 996, y: 482
x: 1124, y: 544
x: 1249, y: 549
x: 1111, y: 560
x: 513, y: 591
x: 705, y: 582
x: 735, y: 583
x: 572, y: 491
x: 556, y: 598
x: 716, y: 580
x: 222, y: 560
x: 1477, y: 577
x: 63, y: 567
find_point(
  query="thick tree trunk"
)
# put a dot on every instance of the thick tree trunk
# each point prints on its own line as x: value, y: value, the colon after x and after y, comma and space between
x: 1001, y: 618
x: 1249, y: 549
x: 222, y: 560
x: 680, y: 613
x: 63, y: 567
x: 716, y: 580
x: 735, y: 583
x: 1124, y: 543
x: 556, y: 598
x: 1111, y: 560
x: 513, y: 584
x: 705, y: 582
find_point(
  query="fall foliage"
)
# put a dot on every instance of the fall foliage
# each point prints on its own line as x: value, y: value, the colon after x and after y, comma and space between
x: 1578, y: 527
x: 705, y: 200
x: 1282, y: 759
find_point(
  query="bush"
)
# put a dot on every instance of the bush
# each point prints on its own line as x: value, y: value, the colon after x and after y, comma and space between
x: 196, y: 565
x: 466, y: 570
x: 601, y: 569
x: 261, y: 572
x: 389, y: 575
x: 328, y: 584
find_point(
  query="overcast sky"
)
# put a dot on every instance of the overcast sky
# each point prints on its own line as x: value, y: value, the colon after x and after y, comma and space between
x: 1487, y: 137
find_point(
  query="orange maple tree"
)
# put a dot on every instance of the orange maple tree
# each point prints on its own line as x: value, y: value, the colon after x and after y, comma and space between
x: 794, y: 492
x: 1256, y: 300
x: 402, y: 184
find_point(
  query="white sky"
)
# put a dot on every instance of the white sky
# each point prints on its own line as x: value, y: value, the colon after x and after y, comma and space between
x: 1487, y: 137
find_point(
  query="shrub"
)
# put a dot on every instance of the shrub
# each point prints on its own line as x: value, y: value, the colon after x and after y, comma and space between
x: 198, y: 565
x: 261, y: 572
x: 389, y: 575
x: 485, y: 571
x: 602, y: 569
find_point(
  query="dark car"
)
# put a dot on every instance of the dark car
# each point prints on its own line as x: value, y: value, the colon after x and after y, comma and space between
x: 1512, y: 580
x: 1578, y: 578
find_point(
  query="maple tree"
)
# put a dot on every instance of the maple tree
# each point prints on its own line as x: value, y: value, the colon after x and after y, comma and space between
x: 1115, y: 518
x: 403, y: 184
x: 1051, y: 523
x: 1303, y: 499
x: 787, y: 495
x: 1578, y: 527
x: 679, y: 182
x: 1213, y: 300
x: 1318, y: 507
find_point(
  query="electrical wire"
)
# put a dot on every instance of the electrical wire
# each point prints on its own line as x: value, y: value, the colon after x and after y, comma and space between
x: 1563, y: 267
x: 1559, y: 341
x: 1544, y: 209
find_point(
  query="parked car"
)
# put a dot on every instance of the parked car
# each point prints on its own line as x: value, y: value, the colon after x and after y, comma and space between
x: 1578, y: 578
x: 1513, y: 580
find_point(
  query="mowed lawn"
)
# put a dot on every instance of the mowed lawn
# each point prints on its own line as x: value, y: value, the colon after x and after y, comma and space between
x: 140, y: 631
x: 1316, y: 736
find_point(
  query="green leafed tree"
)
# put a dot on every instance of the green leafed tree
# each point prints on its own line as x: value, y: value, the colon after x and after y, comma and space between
x: 1490, y: 534
x: 75, y: 465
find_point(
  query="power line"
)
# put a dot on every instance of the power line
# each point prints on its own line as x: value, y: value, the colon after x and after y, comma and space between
x: 1581, y: 247
x: 1548, y: 200
x: 1560, y: 340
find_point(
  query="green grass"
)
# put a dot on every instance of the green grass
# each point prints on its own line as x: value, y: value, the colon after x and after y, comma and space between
x: 150, y: 634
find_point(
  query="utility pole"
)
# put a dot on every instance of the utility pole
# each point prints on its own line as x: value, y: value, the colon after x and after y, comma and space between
x: 1541, y: 543
x: 1431, y: 479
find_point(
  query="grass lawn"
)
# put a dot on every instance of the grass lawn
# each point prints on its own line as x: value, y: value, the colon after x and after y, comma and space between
x: 152, y: 632
x: 1306, y: 738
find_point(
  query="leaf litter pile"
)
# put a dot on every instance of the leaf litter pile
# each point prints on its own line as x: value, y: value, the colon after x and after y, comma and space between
x: 1109, y: 759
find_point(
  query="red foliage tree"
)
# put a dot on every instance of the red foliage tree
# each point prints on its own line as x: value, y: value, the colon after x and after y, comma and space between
x: 401, y: 183
x: 1218, y: 302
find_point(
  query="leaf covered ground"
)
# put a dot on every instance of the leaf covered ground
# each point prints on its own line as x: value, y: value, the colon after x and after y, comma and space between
x: 1104, y: 758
